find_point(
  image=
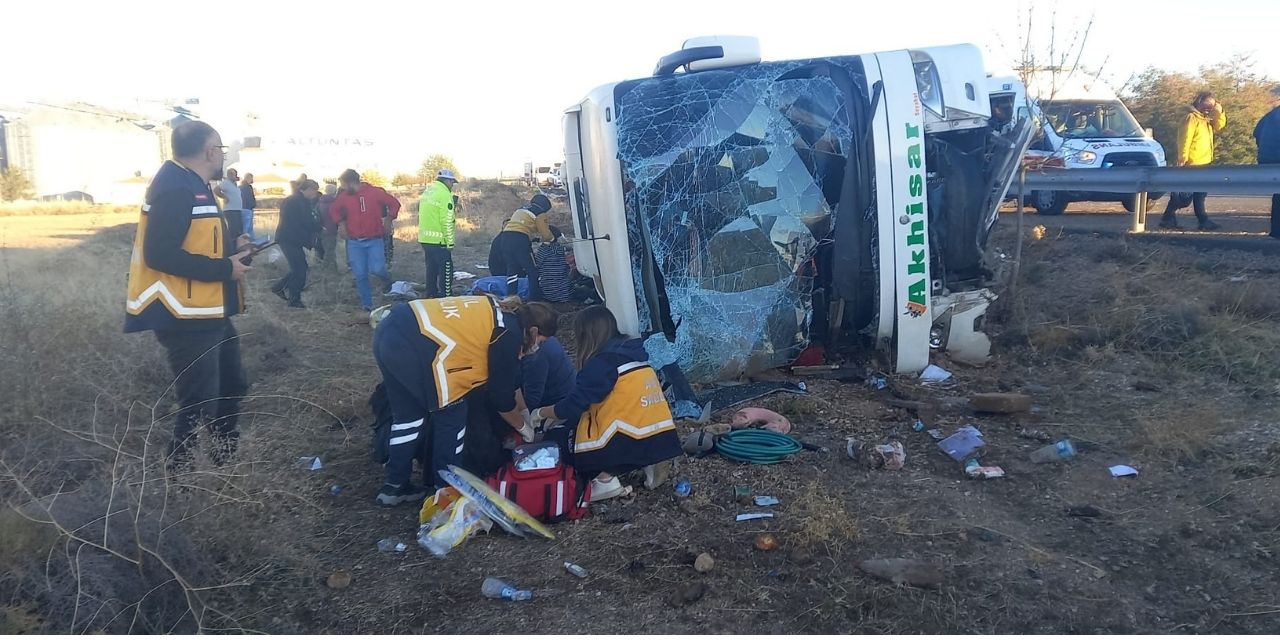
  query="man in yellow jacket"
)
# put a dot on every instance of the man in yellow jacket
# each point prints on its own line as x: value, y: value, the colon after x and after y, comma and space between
x: 1195, y: 147
x: 436, y: 226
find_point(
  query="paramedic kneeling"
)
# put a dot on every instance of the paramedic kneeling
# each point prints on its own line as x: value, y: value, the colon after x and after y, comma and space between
x: 432, y: 354
x: 622, y: 419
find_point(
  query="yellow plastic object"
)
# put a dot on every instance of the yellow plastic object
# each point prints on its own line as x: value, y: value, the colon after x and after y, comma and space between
x: 507, y: 514
x: 437, y: 502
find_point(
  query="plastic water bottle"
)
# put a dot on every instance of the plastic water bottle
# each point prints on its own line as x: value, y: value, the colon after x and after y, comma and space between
x: 683, y: 489
x: 575, y: 569
x: 1056, y: 452
x: 501, y: 590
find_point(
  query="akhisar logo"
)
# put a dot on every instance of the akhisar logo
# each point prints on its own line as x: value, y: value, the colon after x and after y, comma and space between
x: 917, y: 292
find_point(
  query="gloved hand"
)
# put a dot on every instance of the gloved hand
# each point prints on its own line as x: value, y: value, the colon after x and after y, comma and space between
x: 538, y: 423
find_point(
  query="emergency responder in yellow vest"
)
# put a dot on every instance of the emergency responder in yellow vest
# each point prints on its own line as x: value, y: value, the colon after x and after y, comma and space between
x: 434, y: 355
x: 436, y: 233
x: 185, y: 284
x: 622, y: 418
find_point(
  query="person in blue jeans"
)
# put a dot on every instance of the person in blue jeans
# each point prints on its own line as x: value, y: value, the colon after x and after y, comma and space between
x: 363, y: 212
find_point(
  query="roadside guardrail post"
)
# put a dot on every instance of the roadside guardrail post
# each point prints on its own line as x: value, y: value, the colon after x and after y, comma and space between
x: 1139, y: 224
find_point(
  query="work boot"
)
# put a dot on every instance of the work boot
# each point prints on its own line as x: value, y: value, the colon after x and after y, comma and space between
x: 279, y: 291
x: 392, y: 494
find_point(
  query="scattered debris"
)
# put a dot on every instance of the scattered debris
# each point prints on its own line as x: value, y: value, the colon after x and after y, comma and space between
x: 576, y: 570
x: 743, y: 517
x: 757, y: 417
x: 892, y: 456
x: 766, y: 542
x: 463, y: 275
x: 974, y: 469
x: 1056, y: 452
x: 699, y: 443
x: 1122, y: 470
x: 502, y: 590
x: 1001, y: 402
x: 936, y: 434
x: 916, y: 573
x: 310, y: 463
x: 878, y: 382
x: 703, y: 563
x: 918, y: 426
x: 766, y: 501
x: 683, y: 488
x: 933, y: 374
x: 1035, y: 434
x: 1038, y: 232
x: 687, y: 593
x: 482, y: 266
x: 963, y: 443
x: 387, y: 545
x: 742, y: 495
x: 1084, y: 511
x: 335, y: 490
x: 338, y: 580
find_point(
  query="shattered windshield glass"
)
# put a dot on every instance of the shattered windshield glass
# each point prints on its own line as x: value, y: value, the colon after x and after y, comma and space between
x: 731, y: 181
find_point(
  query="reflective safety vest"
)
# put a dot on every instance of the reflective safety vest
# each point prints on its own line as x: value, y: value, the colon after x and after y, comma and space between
x: 462, y: 327
x: 436, y: 215
x: 635, y: 408
x: 157, y: 299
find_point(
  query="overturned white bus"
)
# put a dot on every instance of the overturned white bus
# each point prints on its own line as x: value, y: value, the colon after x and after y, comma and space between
x: 737, y: 211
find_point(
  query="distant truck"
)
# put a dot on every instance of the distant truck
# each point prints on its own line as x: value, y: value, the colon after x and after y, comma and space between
x: 548, y: 176
x: 1083, y: 125
x: 736, y: 212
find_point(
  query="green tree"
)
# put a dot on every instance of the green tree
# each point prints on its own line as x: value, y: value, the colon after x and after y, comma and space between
x: 432, y: 165
x: 404, y: 180
x: 15, y: 185
x: 1160, y: 100
x: 373, y: 177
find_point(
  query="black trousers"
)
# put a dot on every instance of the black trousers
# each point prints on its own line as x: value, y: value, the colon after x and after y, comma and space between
x: 235, y: 222
x: 1178, y: 201
x: 296, y: 280
x: 210, y: 383
x: 1275, y: 216
x: 511, y: 255
x: 439, y: 270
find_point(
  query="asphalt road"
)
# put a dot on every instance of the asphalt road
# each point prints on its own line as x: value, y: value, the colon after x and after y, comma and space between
x: 1245, y: 223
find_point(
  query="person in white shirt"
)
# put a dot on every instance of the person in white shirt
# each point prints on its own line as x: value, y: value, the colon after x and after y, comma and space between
x: 232, y: 203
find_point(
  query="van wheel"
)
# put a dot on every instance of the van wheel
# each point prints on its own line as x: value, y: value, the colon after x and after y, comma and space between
x: 1049, y: 203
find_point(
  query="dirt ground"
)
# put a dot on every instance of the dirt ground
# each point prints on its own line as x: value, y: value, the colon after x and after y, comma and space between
x: 1159, y: 357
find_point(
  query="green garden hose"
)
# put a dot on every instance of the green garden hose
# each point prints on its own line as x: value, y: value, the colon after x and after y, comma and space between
x: 757, y: 446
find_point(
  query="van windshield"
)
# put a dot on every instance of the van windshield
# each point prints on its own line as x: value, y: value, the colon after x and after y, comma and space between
x: 1090, y: 119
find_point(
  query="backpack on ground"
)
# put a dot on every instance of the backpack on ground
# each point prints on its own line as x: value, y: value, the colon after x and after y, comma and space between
x: 550, y: 495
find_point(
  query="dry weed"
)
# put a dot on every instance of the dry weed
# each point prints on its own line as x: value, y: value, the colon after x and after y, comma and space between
x: 823, y: 519
x: 1183, y: 435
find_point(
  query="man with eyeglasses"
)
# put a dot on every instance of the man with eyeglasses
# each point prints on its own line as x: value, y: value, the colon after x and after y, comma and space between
x: 185, y: 284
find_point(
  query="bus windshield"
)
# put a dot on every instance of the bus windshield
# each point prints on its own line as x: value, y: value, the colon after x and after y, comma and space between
x: 1090, y: 119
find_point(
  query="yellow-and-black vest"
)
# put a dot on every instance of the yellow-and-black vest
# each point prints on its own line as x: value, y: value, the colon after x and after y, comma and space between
x: 462, y: 327
x: 159, y: 300
x: 636, y: 408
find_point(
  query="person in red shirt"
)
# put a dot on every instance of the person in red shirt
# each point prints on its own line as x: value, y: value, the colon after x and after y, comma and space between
x: 359, y: 213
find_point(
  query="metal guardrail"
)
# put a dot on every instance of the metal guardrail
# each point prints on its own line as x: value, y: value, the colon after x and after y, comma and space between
x: 1216, y: 179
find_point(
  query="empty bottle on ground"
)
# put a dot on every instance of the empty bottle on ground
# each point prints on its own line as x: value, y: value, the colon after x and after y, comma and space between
x: 1056, y: 452
x: 501, y: 590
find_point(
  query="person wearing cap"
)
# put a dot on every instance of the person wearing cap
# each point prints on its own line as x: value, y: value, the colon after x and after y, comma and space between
x: 436, y: 217
x: 511, y: 253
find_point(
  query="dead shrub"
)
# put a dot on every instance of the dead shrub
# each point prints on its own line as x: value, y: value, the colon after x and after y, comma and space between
x: 823, y: 519
x: 1179, y: 436
x: 1246, y: 300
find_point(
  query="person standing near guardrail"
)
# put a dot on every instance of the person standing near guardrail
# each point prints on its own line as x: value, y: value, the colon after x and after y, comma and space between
x: 1267, y: 134
x: 1205, y: 118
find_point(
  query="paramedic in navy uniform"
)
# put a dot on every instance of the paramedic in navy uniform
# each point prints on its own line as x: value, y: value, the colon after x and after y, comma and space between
x: 184, y: 284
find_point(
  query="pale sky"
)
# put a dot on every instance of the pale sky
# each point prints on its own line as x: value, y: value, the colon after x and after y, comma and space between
x: 487, y: 82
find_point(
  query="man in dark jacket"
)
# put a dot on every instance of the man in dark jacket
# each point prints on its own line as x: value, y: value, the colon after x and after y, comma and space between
x: 184, y: 284
x: 248, y: 200
x: 1267, y: 134
x: 328, y: 250
x: 297, y: 231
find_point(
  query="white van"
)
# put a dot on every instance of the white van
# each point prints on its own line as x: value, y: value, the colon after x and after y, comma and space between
x: 1083, y: 125
x: 738, y: 211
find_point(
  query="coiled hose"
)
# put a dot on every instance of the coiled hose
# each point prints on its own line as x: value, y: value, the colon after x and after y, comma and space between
x: 757, y: 446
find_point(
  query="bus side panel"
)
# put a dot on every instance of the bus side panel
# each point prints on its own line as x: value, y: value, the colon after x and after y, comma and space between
x: 904, y: 184
x: 602, y: 185
x: 884, y: 210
